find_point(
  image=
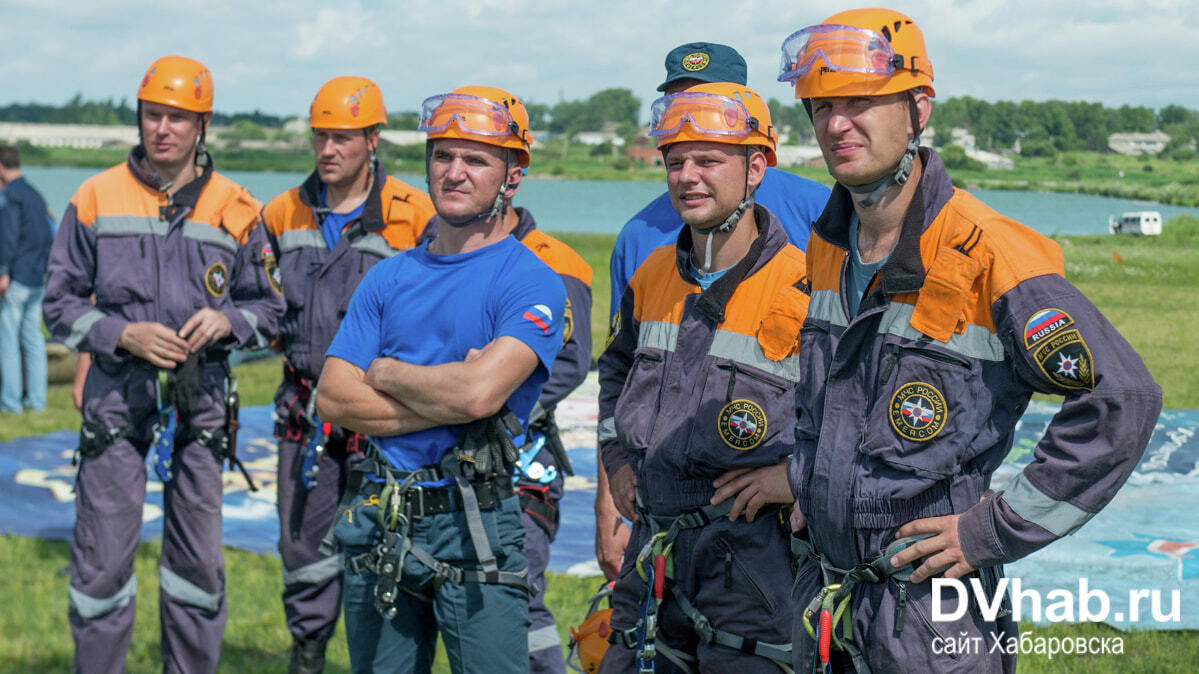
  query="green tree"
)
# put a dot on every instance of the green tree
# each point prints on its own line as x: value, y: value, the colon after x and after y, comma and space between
x: 615, y: 105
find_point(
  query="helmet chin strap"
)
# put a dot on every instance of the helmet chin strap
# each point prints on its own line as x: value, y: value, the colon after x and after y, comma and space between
x: 903, y: 170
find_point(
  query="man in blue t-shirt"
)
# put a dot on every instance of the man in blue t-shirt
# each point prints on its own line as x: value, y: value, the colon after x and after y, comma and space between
x: 440, y: 358
x: 797, y: 203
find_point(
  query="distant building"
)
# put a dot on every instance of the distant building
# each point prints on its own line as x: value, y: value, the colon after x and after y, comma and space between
x: 798, y: 155
x: 1135, y: 144
x: 646, y: 154
x: 89, y: 136
x: 401, y: 137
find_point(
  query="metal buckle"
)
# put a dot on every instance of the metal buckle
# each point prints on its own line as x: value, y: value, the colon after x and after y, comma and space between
x: 416, y: 495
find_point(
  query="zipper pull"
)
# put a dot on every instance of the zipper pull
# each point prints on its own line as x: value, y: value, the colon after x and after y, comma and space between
x: 728, y: 569
x: 901, y: 607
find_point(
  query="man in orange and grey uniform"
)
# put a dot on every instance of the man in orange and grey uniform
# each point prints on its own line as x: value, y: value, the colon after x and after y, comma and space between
x: 544, y: 464
x: 697, y: 404
x: 179, y: 264
x: 327, y: 233
x: 933, y: 320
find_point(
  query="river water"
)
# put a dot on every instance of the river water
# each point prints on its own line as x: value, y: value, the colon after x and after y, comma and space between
x: 603, y: 206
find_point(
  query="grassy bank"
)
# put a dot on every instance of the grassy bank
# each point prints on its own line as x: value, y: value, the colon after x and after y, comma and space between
x: 1141, y: 283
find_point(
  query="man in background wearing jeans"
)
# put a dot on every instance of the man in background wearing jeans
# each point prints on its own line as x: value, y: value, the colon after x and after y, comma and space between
x: 25, y: 238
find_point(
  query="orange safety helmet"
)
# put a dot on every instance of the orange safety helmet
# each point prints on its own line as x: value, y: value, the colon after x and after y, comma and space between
x: 720, y: 112
x: 860, y: 52
x: 179, y: 82
x: 483, y: 114
x: 590, y: 639
x: 347, y: 103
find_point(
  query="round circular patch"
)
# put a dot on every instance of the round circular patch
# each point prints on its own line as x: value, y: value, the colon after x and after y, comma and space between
x: 696, y: 60
x: 917, y: 411
x: 742, y: 424
x: 216, y: 278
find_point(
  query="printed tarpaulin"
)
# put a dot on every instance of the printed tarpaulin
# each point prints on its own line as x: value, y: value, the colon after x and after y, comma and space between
x: 1147, y: 539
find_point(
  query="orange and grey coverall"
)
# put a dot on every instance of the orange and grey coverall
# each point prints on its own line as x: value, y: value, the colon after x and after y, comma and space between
x: 149, y: 257
x: 907, y: 408
x: 694, y: 384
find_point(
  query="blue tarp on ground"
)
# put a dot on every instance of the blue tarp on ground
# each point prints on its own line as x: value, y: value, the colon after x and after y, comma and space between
x: 1146, y: 539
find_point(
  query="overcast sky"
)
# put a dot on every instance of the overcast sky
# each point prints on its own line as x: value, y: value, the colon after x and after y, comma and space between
x: 273, y: 55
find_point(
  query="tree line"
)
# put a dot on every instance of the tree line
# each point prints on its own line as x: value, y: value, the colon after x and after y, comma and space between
x: 108, y: 112
x: 1041, y: 127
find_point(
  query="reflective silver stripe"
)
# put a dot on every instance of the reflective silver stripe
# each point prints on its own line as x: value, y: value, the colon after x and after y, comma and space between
x: 543, y: 638
x: 259, y: 339
x: 606, y: 429
x: 1030, y: 503
x: 90, y: 607
x: 976, y: 342
x: 375, y: 244
x: 186, y: 592
x: 658, y: 335
x: 746, y: 350
x: 82, y: 326
x: 301, y: 238
x: 116, y: 225
x: 316, y: 572
x: 825, y: 305
x: 208, y: 234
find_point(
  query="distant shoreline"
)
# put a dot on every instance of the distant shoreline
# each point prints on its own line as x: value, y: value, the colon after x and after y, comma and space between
x: 1167, y: 182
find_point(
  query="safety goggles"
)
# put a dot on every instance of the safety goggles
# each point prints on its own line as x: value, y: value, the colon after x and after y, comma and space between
x: 837, y: 48
x: 708, y: 114
x: 472, y: 115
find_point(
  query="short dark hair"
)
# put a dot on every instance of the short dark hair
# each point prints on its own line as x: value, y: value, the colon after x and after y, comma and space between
x: 10, y: 157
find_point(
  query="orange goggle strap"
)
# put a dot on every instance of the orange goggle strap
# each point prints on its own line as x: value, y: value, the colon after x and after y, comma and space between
x: 840, y: 48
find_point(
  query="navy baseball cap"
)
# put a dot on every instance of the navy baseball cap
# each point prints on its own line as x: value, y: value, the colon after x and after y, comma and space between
x: 704, y: 61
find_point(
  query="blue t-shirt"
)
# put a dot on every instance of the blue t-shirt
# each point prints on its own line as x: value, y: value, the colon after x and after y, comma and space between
x: 705, y: 281
x: 797, y: 203
x: 334, y: 223
x: 428, y: 309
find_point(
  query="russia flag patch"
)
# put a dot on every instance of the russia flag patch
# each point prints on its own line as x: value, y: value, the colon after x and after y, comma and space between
x: 541, y: 316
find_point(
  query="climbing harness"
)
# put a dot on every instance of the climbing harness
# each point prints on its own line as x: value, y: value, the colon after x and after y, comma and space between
x: 655, y: 565
x: 402, y: 500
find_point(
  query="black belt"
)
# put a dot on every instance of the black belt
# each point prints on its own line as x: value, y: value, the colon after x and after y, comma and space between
x: 436, y: 500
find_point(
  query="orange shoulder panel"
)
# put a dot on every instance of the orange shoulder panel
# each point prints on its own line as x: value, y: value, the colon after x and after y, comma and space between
x: 406, y: 211
x: 114, y: 191
x: 824, y: 262
x: 658, y: 290
x: 286, y: 212
x: 558, y: 256
x: 225, y: 203
x: 756, y: 295
x: 1009, y: 251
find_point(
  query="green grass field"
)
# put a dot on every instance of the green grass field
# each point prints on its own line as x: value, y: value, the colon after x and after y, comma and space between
x: 1147, y: 297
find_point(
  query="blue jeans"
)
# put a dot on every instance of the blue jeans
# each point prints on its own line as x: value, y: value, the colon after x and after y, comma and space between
x: 21, y: 331
x: 484, y: 627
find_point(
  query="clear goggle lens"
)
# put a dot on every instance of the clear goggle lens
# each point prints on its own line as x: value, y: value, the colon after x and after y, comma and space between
x: 708, y: 114
x: 471, y: 113
x: 837, y: 48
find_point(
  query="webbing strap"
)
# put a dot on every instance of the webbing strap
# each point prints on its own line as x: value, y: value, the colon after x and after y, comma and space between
x: 474, y: 523
x: 458, y: 575
x: 780, y: 654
